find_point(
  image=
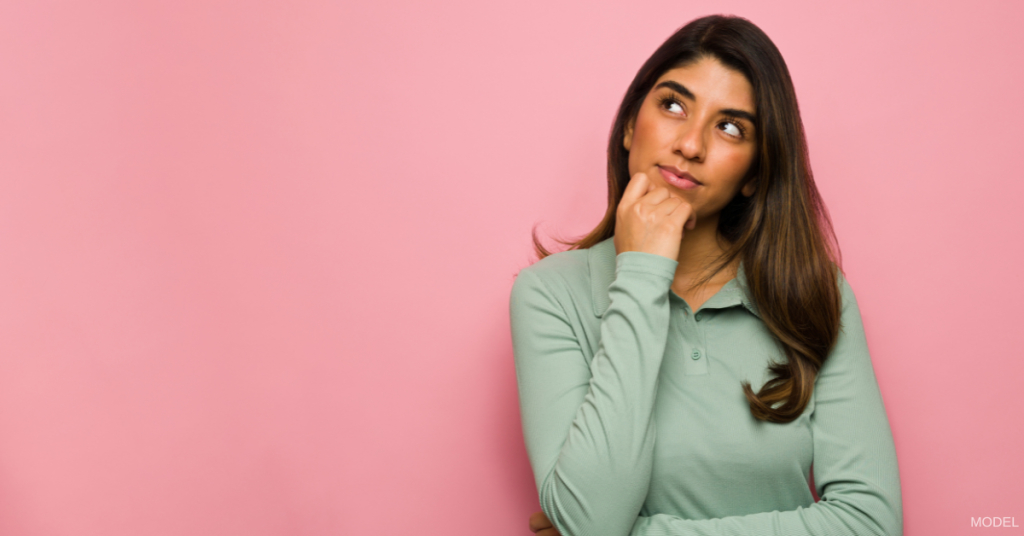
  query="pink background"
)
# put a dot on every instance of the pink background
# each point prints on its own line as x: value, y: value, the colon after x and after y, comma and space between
x: 256, y: 256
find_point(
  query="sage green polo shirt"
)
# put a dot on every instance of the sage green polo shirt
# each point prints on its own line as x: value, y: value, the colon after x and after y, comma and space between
x: 635, y: 422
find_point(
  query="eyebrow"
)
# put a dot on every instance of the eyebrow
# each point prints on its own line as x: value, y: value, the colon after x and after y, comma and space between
x: 682, y: 90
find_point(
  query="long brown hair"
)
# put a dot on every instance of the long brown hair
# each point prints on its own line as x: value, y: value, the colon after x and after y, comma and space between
x: 783, y: 232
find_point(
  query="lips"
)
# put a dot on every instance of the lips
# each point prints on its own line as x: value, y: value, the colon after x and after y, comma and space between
x: 679, y: 178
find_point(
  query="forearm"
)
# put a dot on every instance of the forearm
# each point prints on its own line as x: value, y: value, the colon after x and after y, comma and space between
x: 598, y: 479
x: 874, y: 515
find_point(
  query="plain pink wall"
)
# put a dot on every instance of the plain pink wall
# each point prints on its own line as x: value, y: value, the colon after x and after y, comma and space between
x: 255, y: 256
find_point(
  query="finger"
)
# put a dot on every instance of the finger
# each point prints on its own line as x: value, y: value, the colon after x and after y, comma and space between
x: 650, y: 185
x: 638, y: 186
x: 669, y: 205
x: 684, y: 215
x: 655, y: 196
x: 538, y: 521
x: 691, y: 219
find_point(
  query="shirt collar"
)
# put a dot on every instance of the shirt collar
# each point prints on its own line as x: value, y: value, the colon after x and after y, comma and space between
x: 601, y: 258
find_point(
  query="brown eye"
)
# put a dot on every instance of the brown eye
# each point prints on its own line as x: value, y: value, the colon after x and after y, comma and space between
x: 665, y: 102
x: 734, y: 129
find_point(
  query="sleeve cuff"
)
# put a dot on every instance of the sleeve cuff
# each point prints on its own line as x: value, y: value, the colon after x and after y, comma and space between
x: 650, y: 263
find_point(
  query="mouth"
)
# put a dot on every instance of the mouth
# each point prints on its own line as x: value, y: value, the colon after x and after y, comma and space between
x: 680, y: 179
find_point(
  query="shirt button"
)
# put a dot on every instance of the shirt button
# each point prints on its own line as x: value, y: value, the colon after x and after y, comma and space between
x: 696, y: 354
x: 698, y: 316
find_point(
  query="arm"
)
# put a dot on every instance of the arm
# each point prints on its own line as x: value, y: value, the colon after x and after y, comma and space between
x: 588, y: 428
x: 855, y: 469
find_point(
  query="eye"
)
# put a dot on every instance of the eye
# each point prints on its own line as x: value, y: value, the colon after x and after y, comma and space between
x: 733, y: 129
x: 670, y: 100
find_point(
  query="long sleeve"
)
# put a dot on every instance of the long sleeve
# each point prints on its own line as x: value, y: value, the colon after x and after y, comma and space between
x: 588, y: 428
x: 855, y: 469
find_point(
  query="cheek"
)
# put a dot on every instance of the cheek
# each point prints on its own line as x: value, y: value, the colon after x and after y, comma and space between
x: 641, y: 131
x: 641, y: 142
x: 737, y: 162
x: 651, y: 130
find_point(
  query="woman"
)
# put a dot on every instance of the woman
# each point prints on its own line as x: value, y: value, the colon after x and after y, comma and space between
x: 683, y: 366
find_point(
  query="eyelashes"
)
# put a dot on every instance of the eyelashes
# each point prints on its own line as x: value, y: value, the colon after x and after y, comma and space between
x: 665, y: 100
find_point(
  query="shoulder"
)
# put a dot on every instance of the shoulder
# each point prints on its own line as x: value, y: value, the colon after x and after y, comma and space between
x: 850, y: 321
x: 562, y: 278
x: 849, y: 298
x: 558, y: 270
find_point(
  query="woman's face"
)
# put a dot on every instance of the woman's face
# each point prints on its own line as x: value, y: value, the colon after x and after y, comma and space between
x: 697, y: 119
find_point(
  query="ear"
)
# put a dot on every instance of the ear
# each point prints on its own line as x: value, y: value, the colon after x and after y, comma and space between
x: 627, y: 140
x: 750, y: 187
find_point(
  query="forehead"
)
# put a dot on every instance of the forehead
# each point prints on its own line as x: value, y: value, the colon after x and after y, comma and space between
x: 713, y: 84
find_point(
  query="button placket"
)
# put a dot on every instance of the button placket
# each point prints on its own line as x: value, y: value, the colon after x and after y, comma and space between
x: 698, y: 363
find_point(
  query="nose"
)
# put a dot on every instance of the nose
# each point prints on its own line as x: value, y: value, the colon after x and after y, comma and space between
x: 690, y: 143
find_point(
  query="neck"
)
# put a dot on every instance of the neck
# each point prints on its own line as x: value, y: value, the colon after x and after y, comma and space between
x: 697, y: 251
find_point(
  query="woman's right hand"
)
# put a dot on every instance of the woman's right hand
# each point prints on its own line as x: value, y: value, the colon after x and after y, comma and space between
x: 651, y: 219
x: 542, y: 526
